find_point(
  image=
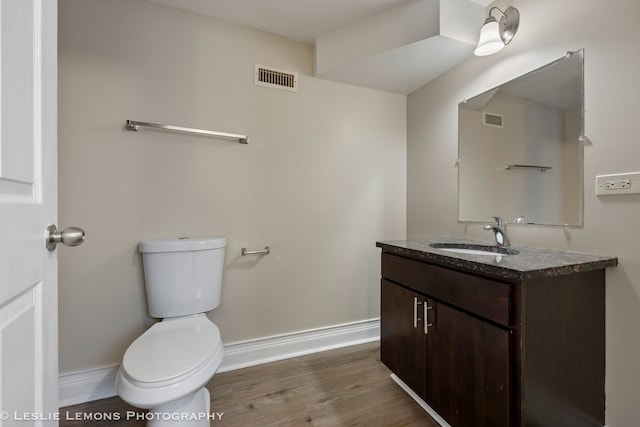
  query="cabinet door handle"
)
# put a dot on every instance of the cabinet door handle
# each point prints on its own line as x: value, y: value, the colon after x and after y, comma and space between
x: 415, y: 311
x: 426, y: 317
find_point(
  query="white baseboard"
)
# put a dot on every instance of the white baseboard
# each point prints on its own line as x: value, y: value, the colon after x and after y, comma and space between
x: 264, y: 350
x: 85, y: 386
x: 94, y: 384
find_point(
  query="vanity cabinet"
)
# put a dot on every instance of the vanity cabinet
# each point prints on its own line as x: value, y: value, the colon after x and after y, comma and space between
x: 485, y: 347
x: 449, y: 357
x: 467, y: 369
x: 403, y: 341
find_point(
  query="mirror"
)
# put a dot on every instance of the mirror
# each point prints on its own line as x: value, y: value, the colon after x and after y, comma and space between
x: 520, y: 148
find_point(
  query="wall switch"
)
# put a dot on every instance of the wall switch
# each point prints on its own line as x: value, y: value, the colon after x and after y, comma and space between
x: 622, y: 183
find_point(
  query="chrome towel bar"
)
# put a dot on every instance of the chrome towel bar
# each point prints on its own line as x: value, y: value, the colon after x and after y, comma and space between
x: 264, y: 251
x: 540, y: 168
x: 134, y: 125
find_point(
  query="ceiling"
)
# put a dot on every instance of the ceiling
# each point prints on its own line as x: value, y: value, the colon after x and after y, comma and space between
x: 308, y: 21
x: 558, y: 84
x: 300, y: 20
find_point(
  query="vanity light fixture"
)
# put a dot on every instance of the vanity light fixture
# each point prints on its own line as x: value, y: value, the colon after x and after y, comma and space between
x: 494, y: 35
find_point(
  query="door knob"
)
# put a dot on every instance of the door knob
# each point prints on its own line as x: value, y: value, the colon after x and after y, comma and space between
x: 72, y: 236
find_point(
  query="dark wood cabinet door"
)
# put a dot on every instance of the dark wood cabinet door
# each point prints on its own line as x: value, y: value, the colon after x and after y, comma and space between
x: 403, y: 346
x: 468, y: 369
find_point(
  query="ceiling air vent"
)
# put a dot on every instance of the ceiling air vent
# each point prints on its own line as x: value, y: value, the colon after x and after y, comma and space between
x: 275, y: 78
x: 493, y: 120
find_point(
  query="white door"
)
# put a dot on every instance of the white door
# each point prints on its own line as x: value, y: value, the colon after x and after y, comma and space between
x: 28, y: 204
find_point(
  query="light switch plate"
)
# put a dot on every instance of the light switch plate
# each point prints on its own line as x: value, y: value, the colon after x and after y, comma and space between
x: 616, y: 184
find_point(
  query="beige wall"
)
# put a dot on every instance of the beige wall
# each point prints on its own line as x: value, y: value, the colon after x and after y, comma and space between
x: 323, y: 176
x: 548, y: 29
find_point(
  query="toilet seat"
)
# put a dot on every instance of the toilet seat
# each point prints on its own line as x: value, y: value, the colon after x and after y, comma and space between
x: 171, y: 359
x: 170, y: 350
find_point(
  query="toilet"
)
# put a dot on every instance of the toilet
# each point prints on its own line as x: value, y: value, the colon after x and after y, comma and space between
x: 165, y: 369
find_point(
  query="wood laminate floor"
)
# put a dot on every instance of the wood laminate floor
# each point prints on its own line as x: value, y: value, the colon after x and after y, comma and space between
x: 343, y: 387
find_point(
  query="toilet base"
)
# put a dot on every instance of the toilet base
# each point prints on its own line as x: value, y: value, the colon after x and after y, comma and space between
x: 192, y: 410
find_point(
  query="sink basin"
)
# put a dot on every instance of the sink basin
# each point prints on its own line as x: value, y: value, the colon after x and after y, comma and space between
x: 474, y: 249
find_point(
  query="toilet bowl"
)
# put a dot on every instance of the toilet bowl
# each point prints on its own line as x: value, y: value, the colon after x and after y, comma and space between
x: 170, y: 360
x: 166, y: 368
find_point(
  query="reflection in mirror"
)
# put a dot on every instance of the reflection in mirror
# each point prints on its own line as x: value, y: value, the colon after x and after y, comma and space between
x: 520, y: 148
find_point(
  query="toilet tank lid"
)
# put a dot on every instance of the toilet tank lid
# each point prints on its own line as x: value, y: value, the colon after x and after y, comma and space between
x: 180, y: 244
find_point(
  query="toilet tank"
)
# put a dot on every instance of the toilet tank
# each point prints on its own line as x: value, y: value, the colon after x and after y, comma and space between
x: 183, y: 276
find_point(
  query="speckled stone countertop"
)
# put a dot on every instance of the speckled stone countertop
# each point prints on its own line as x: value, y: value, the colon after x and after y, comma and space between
x: 530, y: 263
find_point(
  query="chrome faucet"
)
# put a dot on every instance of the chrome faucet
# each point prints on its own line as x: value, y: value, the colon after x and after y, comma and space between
x: 499, y: 228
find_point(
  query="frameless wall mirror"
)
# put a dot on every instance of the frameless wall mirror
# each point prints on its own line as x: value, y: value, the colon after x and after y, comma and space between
x: 520, y: 148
